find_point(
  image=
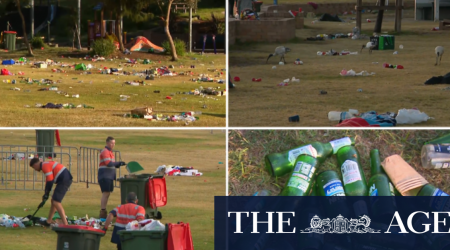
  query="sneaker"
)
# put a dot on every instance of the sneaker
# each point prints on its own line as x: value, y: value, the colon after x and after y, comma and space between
x: 44, y: 223
x: 103, y: 214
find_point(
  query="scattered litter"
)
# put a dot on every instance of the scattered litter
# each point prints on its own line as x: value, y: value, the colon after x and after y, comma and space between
x: 411, y: 116
x: 298, y: 62
x: 323, y: 92
x: 256, y: 79
x: 353, y: 73
x: 391, y: 66
x: 295, y: 118
x: 274, y: 67
x: 172, y: 170
x: 395, y: 52
x: 360, y: 90
x: 400, y: 47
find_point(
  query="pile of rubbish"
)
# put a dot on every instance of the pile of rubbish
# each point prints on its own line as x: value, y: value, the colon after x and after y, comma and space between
x: 61, y: 106
x: 23, y: 222
x: 438, y: 80
x: 172, y: 170
x: 353, y: 118
x: 145, y: 225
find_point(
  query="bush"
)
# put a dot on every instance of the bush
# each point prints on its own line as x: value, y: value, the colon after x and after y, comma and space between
x: 180, y: 47
x: 37, y: 42
x: 103, y: 47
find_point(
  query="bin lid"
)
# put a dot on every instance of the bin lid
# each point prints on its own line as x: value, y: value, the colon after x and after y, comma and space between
x: 9, y: 32
x: 78, y: 229
x: 134, y: 167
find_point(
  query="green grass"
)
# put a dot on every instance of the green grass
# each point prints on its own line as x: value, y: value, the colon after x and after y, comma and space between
x: 247, y: 149
x: 265, y: 104
x: 102, y: 92
x: 205, y: 13
x: 190, y: 199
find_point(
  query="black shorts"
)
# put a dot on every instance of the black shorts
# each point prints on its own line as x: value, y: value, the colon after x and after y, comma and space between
x: 61, y: 190
x: 106, y: 185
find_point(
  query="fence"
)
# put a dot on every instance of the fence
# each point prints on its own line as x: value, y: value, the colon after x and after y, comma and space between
x: 15, y: 173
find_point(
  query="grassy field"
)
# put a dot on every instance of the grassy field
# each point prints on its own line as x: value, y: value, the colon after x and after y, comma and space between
x: 265, y: 104
x: 190, y: 199
x: 247, y: 149
x: 102, y: 92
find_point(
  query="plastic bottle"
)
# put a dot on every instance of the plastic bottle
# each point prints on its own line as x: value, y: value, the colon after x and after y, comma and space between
x: 436, y: 156
x: 338, y: 115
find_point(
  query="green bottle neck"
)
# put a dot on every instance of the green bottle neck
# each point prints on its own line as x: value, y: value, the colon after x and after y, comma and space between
x: 375, y: 163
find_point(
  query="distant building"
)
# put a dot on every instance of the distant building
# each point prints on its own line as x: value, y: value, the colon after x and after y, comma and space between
x: 425, y: 10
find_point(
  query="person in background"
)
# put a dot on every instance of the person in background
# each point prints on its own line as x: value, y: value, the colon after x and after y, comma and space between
x: 124, y: 214
x: 107, y: 173
x: 54, y: 173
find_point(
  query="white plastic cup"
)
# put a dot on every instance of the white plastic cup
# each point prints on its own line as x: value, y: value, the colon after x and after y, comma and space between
x: 337, y: 115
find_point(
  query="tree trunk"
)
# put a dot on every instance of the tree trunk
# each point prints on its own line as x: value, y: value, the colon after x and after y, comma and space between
x: 169, y: 37
x: 30, y: 52
x: 79, y: 23
x: 77, y: 30
x: 379, y: 22
x: 119, y: 26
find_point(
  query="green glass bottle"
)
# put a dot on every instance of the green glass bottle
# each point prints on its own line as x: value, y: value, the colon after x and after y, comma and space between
x: 329, y: 184
x: 352, y: 174
x: 279, y: 164
x: 379, y: 184
x: 302, y: 176
x: 430, y: 190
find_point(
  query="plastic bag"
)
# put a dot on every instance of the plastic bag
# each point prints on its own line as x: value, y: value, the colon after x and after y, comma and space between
x: 411, y: 116
x: 134, y: 225
x: 154, y: 226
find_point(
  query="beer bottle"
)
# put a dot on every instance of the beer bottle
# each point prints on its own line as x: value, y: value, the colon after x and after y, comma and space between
x: 279, y: 164
x: 300, y: 183
x: 352, y: 174
x: 379, y: 184
x: 436, y: 156
x: 430, y: 190
x: 329, y: 184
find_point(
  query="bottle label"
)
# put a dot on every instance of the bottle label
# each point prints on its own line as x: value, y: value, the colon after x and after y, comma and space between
x: 440, y: 148
x: 301, y: 176
x: 442, y: 165
x: 306, y: 150
x: 373, y: 191
x: 334, y: 188
x: 439, y: 192
x: 350, y: 172
x: 337, y: 144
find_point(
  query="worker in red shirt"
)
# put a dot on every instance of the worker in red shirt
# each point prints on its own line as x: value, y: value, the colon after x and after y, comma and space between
x: 54, y: 173
x: 124, y: 214
x: 107, y: 173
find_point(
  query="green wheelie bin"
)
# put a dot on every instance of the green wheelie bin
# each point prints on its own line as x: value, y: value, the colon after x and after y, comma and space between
x: 10, y: 40
x: 150, y: 190
x: 73, y: 237
x: 155, y: 240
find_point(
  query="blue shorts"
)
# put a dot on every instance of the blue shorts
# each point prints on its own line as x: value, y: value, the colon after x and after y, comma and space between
x: 106, y: 185
x: 61, y: 190
x: 62, y: 186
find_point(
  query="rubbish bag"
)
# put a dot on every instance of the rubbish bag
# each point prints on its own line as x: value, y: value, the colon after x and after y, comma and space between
x: 411, y: 116
x: 134, y: 225
x: 154, y: 226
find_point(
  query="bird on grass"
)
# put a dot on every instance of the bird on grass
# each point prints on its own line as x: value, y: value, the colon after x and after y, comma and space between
x: 279, y: 51
x: 369, y: 46
x: 439, y: 50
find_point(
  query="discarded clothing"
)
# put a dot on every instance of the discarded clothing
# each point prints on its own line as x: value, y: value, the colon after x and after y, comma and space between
x: 52, y: 106
x: 439, y: 80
